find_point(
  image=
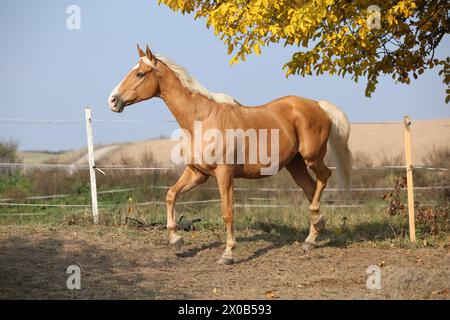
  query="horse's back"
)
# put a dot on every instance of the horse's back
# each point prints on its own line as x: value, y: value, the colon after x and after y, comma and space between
x: 312, y: 124
x: 293, y: 113
x: 299, y: 106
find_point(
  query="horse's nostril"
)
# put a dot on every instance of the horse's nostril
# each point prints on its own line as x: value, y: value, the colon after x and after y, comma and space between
x: 114, y: 100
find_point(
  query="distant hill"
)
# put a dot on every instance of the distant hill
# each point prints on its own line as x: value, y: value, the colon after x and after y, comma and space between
x: 373, y: 143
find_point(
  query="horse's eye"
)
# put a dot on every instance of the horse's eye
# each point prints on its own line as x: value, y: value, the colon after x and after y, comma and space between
x: 140, y: 74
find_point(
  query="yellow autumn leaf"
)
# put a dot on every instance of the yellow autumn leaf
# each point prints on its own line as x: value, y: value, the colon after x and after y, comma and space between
x: 257, y: 49
x: 230, y: 48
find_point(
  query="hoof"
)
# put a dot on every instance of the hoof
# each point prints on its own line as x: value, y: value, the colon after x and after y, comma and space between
x: 226, y: 261
x: 177, y: 243
x: 307, y: 246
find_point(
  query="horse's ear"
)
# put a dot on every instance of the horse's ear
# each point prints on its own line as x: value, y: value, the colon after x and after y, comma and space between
x: 149, y: 54
x: 141, y: 53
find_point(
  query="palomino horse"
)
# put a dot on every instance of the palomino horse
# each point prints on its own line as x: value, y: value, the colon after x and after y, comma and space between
x: 305, y: 127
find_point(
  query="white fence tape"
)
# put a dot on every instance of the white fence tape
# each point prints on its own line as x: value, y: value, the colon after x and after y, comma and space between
x: 72, y: 121
x: 56, y: 196
x: 24, y: 214
x: 73, y: 167
x: 14, y: 204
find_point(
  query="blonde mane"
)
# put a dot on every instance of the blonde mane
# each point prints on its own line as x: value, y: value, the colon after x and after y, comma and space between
x: 193, y: 85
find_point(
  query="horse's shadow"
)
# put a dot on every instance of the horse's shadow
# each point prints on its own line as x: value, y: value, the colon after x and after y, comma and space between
x: 283, y: 235
x: 288, y: 236
x: 192, y: 252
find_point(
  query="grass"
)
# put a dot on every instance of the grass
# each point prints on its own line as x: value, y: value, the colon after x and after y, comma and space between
x: 287, y: 218
x: 368, y: 226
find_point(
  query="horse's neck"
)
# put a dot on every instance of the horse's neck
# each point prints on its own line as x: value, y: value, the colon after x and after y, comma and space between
x: 185, y: 106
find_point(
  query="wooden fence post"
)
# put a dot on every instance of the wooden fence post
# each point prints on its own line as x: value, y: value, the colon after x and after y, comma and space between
x: 409, y: 179
x: 90, y: 142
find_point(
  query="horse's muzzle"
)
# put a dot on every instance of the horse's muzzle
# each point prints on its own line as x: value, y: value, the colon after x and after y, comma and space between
x: 116, y: 104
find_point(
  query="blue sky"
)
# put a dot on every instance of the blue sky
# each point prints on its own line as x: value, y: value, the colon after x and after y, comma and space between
x: 49, y: 71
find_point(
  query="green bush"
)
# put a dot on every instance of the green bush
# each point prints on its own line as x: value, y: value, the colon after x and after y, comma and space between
x: 8, y: 151
x: 13, y: 184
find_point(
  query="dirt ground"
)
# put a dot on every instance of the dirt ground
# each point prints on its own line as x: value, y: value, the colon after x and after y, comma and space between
x: 138, y: 264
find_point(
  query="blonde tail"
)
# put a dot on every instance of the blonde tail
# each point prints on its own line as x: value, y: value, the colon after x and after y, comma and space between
x: 338, y: 142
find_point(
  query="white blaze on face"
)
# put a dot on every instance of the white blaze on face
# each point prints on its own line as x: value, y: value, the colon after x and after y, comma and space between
x: 113, y: 93
x: 116, y: 89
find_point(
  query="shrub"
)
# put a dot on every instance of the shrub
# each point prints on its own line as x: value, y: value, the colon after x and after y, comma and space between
x: 8, y: 151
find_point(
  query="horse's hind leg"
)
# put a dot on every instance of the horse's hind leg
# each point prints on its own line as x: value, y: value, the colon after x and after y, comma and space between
x: 297, y: 169
x: 317, y: 220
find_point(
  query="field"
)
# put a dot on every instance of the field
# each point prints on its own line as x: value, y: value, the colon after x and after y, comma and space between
x: 127, y: 255
x: 130, y: 264
x: 123, y: 259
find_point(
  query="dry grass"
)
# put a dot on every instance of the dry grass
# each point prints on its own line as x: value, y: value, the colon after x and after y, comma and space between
x: 286, y: 214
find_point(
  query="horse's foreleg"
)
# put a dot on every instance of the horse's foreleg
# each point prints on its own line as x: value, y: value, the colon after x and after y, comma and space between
x: 317, y: 220
x: 225, y: 182
x: 188, y: 180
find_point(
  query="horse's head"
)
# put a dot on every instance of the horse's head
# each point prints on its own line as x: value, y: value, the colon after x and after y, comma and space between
x: 141, y: 83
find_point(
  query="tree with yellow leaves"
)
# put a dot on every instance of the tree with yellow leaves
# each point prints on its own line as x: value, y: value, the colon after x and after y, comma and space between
x: 360, y: 38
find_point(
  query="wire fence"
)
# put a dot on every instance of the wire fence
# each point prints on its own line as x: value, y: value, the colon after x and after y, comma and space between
x: 81, y: 121
x: 329, y: 203
x: 104, y: 168
x: 72, y: 167
x: 376, y: 189
x: 74, y: 121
